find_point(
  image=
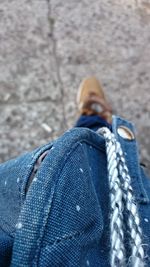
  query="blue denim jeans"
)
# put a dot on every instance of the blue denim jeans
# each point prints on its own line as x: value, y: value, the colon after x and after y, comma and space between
x: 93, y: 122
x: 60, y: 217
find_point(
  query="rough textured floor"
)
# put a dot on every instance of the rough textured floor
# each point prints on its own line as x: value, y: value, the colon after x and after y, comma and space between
x: 47, y: 47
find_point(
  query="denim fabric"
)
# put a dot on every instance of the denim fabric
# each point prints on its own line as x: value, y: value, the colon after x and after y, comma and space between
x: 60, y: 217
x: 93, y: 122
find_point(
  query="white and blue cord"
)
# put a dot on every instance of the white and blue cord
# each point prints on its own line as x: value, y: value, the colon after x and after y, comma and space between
x: 121, y: 198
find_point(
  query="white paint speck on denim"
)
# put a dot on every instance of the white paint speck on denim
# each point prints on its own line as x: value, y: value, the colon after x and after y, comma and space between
x: 19, y: 225
x: 78, y: 208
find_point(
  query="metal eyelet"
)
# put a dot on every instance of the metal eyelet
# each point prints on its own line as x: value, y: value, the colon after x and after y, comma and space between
x: 125, y: 133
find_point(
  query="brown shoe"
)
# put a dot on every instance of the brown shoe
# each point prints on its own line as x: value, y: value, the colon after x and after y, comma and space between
x: 91, y: 100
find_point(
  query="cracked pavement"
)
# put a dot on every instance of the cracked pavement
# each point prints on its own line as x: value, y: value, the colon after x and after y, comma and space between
x: 48, y: 47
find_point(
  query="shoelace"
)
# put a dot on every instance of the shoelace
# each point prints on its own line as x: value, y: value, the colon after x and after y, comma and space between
x: 121, y: 200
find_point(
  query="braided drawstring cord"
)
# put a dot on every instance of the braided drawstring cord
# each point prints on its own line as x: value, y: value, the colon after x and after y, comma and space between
x: 121, y: 198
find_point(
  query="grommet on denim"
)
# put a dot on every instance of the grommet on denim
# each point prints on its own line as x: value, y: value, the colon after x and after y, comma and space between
x: 63, y: 217
x: 125, y: 133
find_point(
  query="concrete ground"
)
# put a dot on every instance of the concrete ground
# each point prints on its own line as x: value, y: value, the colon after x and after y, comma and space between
x: 47, y: 47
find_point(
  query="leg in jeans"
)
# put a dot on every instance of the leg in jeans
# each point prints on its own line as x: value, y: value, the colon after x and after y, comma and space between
x: 93, y: 122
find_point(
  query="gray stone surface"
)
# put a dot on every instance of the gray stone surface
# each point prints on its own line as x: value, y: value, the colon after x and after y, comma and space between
x: 48, y: 47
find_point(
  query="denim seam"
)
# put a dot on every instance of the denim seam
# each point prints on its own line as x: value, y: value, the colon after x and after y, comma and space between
x: 65, y: 238
x: 139, y: 191
x: 4, y: 230
x: 23, y: 184
x: 42, y: 232
x: 94, y: 190
x: 41, y: 236
x: 141, y: 188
